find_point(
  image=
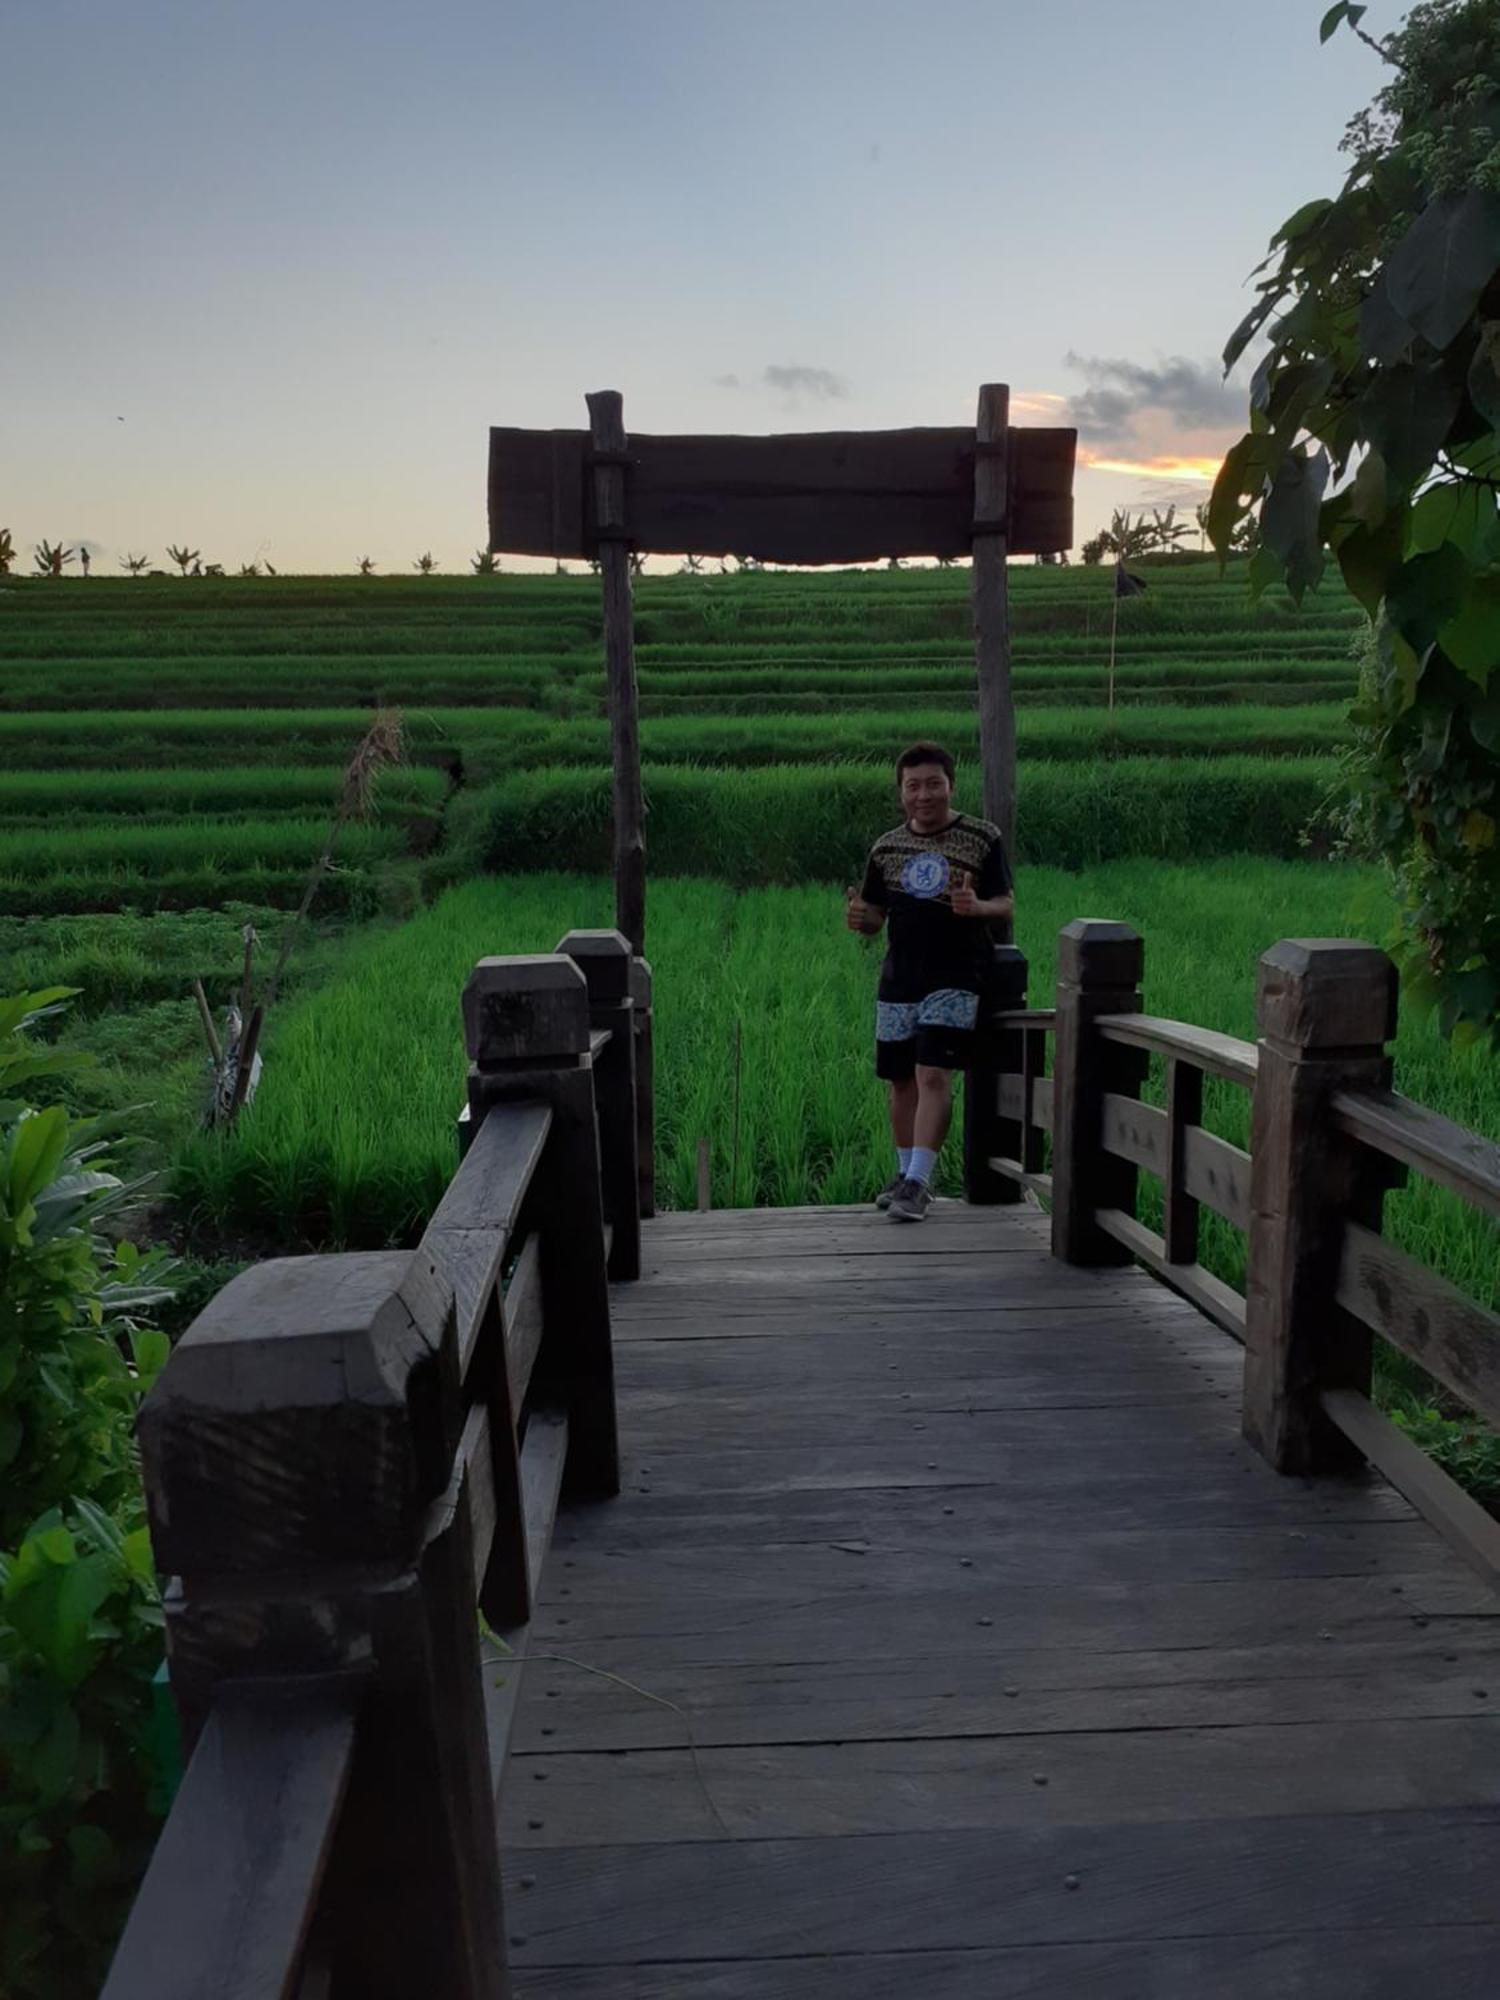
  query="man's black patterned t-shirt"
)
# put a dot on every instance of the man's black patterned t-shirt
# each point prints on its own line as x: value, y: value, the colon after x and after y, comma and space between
x: 910, y: 876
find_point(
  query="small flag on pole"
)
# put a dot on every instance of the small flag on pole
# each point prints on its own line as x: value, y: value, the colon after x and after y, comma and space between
x: 1127, y: 585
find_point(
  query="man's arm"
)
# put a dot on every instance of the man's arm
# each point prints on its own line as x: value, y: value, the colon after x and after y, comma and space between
x: 861, y: 915
x: 966, y: 903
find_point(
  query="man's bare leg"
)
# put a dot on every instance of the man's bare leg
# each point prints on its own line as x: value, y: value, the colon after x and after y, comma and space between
x: 934, y: 1107
x: 904, y: 1112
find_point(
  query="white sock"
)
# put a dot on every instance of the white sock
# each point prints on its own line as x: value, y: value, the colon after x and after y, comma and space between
x: 920, y: 1163
x: 903, y: 1159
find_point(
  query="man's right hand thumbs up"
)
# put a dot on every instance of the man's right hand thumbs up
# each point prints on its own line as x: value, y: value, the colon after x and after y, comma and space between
x: 858, y: 914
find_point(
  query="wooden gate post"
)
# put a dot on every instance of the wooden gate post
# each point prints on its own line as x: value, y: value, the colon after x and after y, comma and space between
x: 1325, y: 1009
x: 296, y: 1448
x: 988, y: 1133
x: 990, y: 598
x: 645, y: 1083
x: 1099, y: 969
x: 526, y: 1027
x: 604, y: 959
x: 611, y: 529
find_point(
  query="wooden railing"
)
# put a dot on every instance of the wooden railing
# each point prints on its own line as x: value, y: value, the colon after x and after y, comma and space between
x: 1329, y: 1138
x: 347, y: 1460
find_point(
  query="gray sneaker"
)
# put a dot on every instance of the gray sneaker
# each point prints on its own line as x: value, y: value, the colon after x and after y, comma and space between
x: 910, y: 1202
x: 889, y: 1192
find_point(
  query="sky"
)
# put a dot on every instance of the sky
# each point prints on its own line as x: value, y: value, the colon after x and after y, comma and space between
x: 268, y: 273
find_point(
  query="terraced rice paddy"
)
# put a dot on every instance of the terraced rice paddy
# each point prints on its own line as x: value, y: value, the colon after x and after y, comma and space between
x: 170, y: 752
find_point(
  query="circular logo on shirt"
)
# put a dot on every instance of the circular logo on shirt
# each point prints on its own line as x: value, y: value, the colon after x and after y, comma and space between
x: 925, y: 875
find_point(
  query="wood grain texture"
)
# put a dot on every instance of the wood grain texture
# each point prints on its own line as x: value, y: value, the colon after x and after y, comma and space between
x: 1424, y: 1315
x: 614, y: 508
x: 1315, y: 1001
x: 1217, y: 1174
x: 916, y: 1521
x: 798, y: 497
x: 1458, y: 1518
x: 232, y: 1887
x: 1213, y: 1053
x: 1447, y: 1153
x: 990, y: 607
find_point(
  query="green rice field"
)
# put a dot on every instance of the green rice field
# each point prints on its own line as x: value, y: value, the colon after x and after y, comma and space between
x: 170, y: 754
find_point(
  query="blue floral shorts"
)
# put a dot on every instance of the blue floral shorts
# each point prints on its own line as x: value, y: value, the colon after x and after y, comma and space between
x: 937, y: 1032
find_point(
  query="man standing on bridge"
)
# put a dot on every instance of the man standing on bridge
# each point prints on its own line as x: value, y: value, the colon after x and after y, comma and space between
x: 940, y: 878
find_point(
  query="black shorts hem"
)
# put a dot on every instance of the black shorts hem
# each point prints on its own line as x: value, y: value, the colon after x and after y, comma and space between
x: 929, y: 1047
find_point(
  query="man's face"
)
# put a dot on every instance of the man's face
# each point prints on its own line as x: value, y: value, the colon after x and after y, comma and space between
x: 926, y: 796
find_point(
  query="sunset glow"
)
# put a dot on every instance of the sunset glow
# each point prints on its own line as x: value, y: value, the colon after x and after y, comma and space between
x: 1205, y: 470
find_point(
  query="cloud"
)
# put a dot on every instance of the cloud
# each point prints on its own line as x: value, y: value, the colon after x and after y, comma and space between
x: 793, y: 379
x: 1125, y: 399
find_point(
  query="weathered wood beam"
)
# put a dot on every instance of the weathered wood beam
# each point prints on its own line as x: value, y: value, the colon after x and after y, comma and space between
x: 607, y: 432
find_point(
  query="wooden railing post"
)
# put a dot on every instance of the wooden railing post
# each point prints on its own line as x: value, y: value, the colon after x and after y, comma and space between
x: 988, y: 1134
x: 1098, y: 972
x: 604, y: 959
x: 527, y: 1029
x: 645, y: 1084
x: 296, y: 1450
x: 1325, y: 1009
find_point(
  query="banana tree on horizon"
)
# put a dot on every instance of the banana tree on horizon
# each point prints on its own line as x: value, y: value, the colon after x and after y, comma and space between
x: 7, y: 552
x: 184, y: 557
x: 51, y: 557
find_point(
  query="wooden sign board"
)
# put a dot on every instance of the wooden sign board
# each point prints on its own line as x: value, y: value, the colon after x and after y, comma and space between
x: 803, y: 497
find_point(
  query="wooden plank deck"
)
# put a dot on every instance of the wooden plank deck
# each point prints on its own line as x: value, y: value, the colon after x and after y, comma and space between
x: 947, y: 1641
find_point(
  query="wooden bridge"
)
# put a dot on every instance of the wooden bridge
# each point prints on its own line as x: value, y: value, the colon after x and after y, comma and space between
x: 936, y: 1612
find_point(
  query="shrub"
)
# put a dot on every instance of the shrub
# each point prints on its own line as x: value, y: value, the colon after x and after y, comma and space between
x: 79, y: 1614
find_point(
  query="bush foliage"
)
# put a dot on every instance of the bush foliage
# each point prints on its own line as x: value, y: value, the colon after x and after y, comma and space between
x: 1382, y: 313
x: 79, y: 1615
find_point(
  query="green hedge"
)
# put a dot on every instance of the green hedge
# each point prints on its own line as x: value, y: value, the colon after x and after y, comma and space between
x: 789, y: 823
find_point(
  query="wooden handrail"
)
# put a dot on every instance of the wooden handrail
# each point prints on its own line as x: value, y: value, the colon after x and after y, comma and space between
x: 1213, y: 1053
x: 1443, y: 1151
x: 1330, y: 1136
x: 343, y: 1455
x: 233, y: 1884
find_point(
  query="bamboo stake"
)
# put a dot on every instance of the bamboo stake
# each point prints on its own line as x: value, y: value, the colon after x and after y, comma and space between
x: 249, y: 939
x: 249, y: 1041
x: 704, y: 1190
x: 206, y: 1019
x: 1114, y: 624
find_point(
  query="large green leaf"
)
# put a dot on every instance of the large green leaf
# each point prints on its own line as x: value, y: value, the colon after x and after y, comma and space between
x: 1484, y: 373
x: 1471, y: 635
x: 1302, y: 222
x: 1242, y: 479
x: 1438, y: 271
x: 1248, y: 327
x: 1408, y: 413
x: 1425, y: 592
x: 36, y: 1153
x: 1344, y: 10
x: 52, y: 1607
x: 1462, y: 514
x: 1368, y: 554
x: 1289, y: 519
x: 1384, y: 335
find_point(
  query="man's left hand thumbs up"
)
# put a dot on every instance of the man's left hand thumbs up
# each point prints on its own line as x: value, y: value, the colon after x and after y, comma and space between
x: 965, y: 902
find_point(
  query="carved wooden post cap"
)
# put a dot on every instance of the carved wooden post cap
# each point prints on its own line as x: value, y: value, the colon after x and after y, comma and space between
x: 1326, y: 993
x: 534, y: 1006
x: 1092, y: 951
x: 299, y: 1420
x: 603, y: 957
